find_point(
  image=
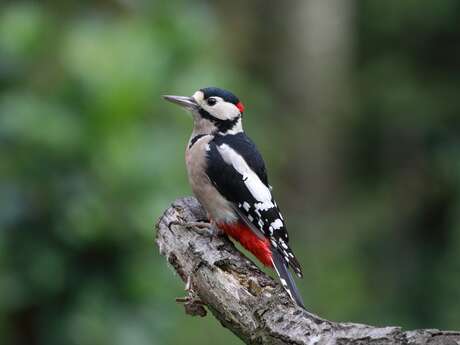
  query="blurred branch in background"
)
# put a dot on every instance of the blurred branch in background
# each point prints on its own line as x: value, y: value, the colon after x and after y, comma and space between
x: 248, y: 302
x: 314, y: 73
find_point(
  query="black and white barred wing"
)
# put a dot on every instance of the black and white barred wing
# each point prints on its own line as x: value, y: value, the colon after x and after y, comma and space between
x: 237, y: 171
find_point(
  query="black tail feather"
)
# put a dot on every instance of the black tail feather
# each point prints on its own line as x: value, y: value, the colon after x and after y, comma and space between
x: 286, y: 278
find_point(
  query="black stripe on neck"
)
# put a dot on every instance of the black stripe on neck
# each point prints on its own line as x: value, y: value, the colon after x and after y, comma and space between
x: 195, y: 139
x: 222, y: 125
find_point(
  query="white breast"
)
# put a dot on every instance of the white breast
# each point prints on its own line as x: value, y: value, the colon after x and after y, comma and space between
x: 218, y: 208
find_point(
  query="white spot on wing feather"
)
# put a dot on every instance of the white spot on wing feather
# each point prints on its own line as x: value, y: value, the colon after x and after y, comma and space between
x: 265, y: 205
x: 277, y: 224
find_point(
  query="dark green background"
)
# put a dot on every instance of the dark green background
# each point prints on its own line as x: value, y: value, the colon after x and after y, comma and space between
x: 361, y: 140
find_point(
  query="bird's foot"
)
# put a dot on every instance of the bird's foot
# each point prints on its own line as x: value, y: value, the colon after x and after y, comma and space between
x: 193, y: 306
x: 192, y: 303
x: 199, y: 225
x: 203, y: 227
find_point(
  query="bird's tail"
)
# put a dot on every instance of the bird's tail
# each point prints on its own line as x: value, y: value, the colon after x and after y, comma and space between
x: 286, y: 279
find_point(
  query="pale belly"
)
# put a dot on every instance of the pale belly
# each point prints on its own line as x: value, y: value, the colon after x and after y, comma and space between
x: 219, y: 209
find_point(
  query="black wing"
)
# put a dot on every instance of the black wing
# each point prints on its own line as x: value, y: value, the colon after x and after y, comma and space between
x: 242, y: 144
x: 237, y: 170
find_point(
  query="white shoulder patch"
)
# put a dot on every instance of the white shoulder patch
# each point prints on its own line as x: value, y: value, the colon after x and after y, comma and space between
x: 256, y: 187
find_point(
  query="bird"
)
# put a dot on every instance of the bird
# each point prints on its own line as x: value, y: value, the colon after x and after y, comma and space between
x: 228, y: 176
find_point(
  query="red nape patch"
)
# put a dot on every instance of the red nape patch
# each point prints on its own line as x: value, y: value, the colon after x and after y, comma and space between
x: 243, y: 234
x: 240, y: 106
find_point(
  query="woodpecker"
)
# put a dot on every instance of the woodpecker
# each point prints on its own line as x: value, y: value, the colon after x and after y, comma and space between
x: 228, y: 177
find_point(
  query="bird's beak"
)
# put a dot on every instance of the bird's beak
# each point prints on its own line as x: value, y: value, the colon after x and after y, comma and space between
x: 184, y: 101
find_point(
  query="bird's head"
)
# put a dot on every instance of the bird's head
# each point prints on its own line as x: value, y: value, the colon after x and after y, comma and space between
x: 213, y: 110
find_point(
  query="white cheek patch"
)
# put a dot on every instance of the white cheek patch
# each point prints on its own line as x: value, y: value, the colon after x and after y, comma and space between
x: 224, y: 110
x: 221, y: 110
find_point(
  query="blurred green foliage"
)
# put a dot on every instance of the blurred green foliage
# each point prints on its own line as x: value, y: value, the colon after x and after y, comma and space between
x: 91, y: 157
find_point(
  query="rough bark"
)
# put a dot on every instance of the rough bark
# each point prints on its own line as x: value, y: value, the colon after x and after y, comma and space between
x: 248, y: 302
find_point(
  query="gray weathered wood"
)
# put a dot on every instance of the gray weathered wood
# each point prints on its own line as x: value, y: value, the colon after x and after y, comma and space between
x: 248, y: 302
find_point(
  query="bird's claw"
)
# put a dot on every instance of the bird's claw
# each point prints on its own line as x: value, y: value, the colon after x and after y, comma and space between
x: 203, y: 227
x: 192, y: 304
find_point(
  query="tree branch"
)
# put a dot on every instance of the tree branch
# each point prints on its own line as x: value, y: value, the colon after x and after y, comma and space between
x: 248, y: 302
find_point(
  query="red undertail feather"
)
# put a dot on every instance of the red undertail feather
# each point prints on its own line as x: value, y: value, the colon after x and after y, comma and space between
x: 249, y: 240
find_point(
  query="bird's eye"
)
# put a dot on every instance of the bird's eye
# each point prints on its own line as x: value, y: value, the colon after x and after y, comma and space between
x: 211, y: 101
